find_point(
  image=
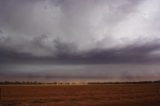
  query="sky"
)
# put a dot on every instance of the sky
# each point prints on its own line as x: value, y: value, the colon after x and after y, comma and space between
x: 79, y: 40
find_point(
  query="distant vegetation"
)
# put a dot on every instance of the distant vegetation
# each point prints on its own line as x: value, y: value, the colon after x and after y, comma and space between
x: 136, y: 82
x: 19, y: 82
x: 38, y: 83
x: 72, y: 83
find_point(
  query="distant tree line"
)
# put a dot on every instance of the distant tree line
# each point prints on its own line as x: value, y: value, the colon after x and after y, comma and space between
x: 136, y: 82
x: 36, y: 83
x: 72, y: 83
x: 19, y: 82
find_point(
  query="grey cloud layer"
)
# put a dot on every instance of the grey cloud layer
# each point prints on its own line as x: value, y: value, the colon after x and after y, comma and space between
x: 80, y: 30
x: 106, y: 72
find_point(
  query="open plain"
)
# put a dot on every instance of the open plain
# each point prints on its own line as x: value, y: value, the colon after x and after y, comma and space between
x: 81, y: 95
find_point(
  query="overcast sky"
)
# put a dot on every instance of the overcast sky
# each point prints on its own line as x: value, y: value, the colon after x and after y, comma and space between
x: 80, y: 39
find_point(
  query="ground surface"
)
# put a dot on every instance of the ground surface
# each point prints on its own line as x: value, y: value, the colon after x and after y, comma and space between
x: 81, y: 95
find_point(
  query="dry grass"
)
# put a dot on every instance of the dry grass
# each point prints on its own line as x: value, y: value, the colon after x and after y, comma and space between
x: 81, y: 95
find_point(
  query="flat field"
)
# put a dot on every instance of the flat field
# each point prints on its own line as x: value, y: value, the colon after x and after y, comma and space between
x: 81, y: 95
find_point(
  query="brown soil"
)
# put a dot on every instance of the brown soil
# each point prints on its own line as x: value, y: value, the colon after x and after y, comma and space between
x: 81, y: 95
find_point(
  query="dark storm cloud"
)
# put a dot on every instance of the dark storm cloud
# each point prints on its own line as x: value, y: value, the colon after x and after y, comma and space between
x: 77, y: 29
x: 103, y: 31
x: 129, y: 54
x: 35, y: 27
x: 78, y: 33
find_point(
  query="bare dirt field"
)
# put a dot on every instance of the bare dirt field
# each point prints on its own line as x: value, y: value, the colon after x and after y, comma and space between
x: 81, y: 95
